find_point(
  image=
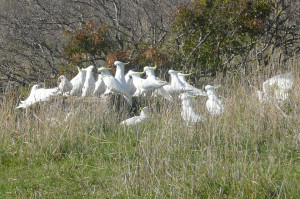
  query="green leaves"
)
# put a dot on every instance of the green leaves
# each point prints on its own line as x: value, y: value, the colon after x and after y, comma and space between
x: 209, y: 32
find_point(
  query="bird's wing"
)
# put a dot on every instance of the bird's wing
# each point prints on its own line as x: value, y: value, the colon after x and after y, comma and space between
x: 31, y: 99
x: 44, y: 94
x: 88, y: 86
x: 132, y: 121
x: 114, y: 85
x: 164, y: 93
x: 279, y: 84
x: 99, y: 87
x: 130, y: 86
x: 77, y: 83
x: 150, y: 84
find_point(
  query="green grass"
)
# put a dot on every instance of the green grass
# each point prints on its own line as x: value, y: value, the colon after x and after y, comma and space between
x: 250, y: 151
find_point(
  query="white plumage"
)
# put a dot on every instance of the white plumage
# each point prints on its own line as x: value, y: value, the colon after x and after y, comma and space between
x: 99, y: 86
x: 114, y: 85
x: 65, y: 85
x: 119, y: 75
x: 89, y: 83
x: 214, y: 104
x: 193, y: 89
x: 38, y: 94
x: 188, y: 114
x: 144, y: 86
x: 78, y: 82
x: 176, y: 86
x: 129, y: 83
x: 276, y: 87
x: 151, y: 77
x: 137, y: 119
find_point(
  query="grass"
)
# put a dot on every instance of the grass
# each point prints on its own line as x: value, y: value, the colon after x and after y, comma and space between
x: 251, y: 151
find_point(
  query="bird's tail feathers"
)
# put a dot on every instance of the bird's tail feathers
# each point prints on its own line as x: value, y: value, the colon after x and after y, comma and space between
x: 21, y: 105
x: 165, y: 94
x: 162, y: 83
x: 128, y: 99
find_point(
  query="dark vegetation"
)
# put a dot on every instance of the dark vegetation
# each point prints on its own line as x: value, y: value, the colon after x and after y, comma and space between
x: 41, y: 40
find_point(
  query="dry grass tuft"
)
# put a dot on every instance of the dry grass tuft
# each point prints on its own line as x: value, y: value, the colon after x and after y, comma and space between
x: 71, y: 148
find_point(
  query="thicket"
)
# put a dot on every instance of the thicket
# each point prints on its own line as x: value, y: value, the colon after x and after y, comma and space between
x: 41, y: 40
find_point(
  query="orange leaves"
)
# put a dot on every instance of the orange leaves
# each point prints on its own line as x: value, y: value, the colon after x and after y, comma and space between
x: 115, y: 56
x: 88, y: 41
x: 254, y: 24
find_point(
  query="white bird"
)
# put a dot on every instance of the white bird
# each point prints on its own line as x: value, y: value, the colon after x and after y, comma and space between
x: 151, y: 77
x: 99, y: 86
x: 197, y: 91
x: 114, y: 85
x: 129, y: 83
x: 276, y: 87
x: 214, y: 104
x: 176, y: 86
x: 38, y: 94
x: 65, y: 85
x: 89, y: 83
x: 137, y: 119
x: 119, y: 75
x: 144, y: 86
x: 78, y: 82
x: 187, y: 113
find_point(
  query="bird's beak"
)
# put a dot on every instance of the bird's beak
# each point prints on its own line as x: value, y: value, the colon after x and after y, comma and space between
x: 78, y: 69
x: 187, y: 74
x: 155, y: 67
x: 140, y: 73
x: 216, y: 87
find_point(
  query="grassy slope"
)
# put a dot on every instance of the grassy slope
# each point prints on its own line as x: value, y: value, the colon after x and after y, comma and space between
x: 245, y: 153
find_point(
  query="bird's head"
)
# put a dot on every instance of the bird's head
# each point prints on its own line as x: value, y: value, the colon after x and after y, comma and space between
x: 145, y: 110
x: 173, y: 72
x: 134, y: 73
x: 211, y: 90
x: 35, y: 87
x: 104, y: 70
x: 61, y: 78
x: 184, y: 75
x: 187, y: 96
x: 91, y: 68
x: 119, y: 64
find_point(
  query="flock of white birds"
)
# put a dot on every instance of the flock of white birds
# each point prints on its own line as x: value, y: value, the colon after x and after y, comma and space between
x: 132, y: 85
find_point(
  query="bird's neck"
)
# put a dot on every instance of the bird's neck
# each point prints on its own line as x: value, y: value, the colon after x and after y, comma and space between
x: 187, y: 108
x: 136, y: 78
x: 119, y: 73
x: 143, y: 114
x: 182, y: 79
x: 187, y: 103
x: 213, y: 96
x: 89, y: 73
x: 150, y: 74
x: 106, y: 73
x: 175, y: 80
